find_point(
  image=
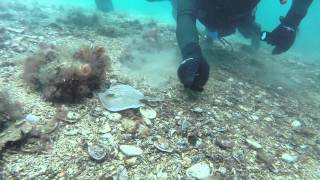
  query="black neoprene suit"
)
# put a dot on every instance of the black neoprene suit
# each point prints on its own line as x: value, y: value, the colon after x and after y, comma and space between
x: 225, y: 16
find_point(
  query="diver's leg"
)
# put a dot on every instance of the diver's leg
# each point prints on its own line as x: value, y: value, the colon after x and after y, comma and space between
x: 251, y: 30
x: 104, y: 5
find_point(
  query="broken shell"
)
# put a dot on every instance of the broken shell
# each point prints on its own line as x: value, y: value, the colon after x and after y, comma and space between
x: 163, y: 145
x: 130, y: 150
x: 148, y: 113
x: 97, y: 152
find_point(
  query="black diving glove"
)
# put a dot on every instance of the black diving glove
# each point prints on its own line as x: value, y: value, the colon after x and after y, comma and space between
x: 193, y: 72
x: 282, y: 38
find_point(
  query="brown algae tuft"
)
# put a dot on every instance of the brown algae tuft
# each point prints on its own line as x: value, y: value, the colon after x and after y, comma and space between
x: 64, y: 76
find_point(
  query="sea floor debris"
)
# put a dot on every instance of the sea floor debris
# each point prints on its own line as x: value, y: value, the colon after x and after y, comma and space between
x: 245, y: 125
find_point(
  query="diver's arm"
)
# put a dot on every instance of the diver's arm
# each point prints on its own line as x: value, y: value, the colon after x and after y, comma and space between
x: 193, y: 72
x: 187, y: 34
x: 296, y: 13
x: 283, y: 36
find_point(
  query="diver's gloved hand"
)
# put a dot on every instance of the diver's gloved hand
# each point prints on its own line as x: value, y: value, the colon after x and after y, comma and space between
x: 282, y: 38
x: 193, y: 72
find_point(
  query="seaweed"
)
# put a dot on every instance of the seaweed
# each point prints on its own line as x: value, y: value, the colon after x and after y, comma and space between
x: 80, y: 19
x: 67, y: 78
x: 10, y: 111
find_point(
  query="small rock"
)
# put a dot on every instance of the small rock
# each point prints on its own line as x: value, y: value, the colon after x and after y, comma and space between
x: 148, y: 113
x: 199, y: 171
x: 130, y: 150
x: 289, y: 158
x: 266, y: 159
x: 114, y: 117
x: 97, y: 152
x: 32, y: 118
x: 254, y: 144
x: 296, y: 124
x: 197, y: 110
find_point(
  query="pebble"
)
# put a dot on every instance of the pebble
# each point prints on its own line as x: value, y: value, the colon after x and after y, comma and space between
x: 289, y: 158
x: 254, y: 144
x: 224, y: 143
x: 32, y: 118
x: 148, y: 113
x: 296, y: 124
x: 130, y: 150
x: 114, y: 117
x: 97, y: 152
x: 199, y: 171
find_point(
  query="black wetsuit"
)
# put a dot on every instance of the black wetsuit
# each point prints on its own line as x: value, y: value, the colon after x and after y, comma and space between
x: 224, y: 16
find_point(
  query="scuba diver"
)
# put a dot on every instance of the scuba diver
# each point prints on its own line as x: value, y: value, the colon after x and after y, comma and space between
x: 223, y: 17
x: 104, y: 5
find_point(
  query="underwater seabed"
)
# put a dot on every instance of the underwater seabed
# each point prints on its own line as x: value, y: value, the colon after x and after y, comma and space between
x: 258, y: 117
